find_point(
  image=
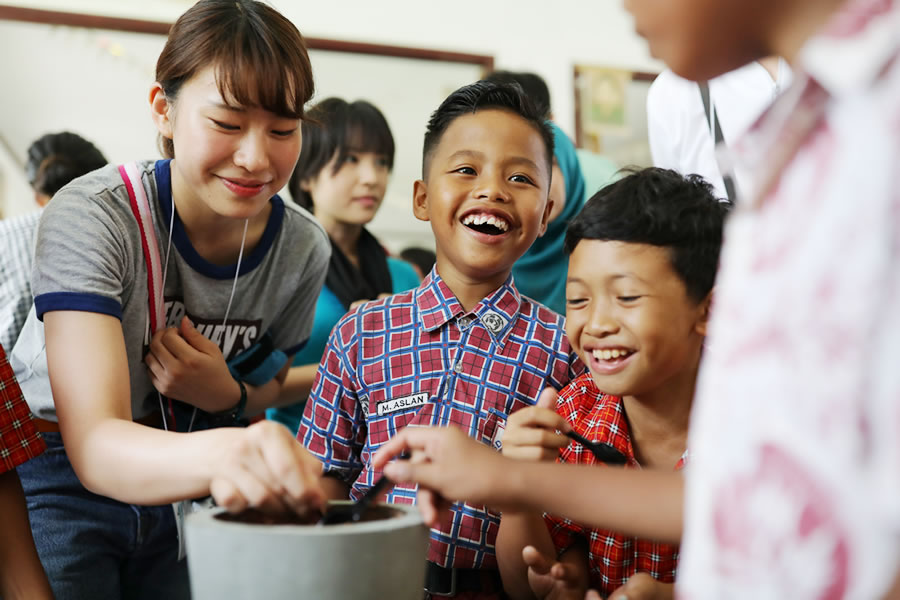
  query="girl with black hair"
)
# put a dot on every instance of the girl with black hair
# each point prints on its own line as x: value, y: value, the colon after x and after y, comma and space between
x: 341, y: 177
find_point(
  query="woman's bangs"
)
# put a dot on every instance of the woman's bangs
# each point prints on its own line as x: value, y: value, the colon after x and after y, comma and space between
x: 257, y: 78
x: 368, y: 132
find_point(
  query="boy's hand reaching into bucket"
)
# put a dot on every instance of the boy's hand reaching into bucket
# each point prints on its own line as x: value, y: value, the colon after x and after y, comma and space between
x: 447, y: 464
x: 532, y: 433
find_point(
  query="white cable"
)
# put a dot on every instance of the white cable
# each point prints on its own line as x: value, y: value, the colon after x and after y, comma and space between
x: 162, y: 409
x: 237, y: 271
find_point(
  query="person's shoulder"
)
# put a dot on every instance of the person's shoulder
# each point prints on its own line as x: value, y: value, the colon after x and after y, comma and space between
x: 581, y: 386
x: 665, y: 85
x: 304, y: 225
x: 547, y: 317
x: 377, y: 316
x: 387, y: 310
x: 100, y: 192
x: 105, y: 179
x: 581, y: 396
x: 103, y: 184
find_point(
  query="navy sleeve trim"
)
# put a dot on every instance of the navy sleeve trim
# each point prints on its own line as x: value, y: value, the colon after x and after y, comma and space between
x: 296, y: 348
x: 76, y: 301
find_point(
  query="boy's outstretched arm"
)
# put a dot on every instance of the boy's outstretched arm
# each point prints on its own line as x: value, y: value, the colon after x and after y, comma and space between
x: 646, y: 504
x: 21, y: 575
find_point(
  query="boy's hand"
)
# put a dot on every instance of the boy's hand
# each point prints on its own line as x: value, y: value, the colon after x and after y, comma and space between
x: 186, y: 366
x: 531, y: 432
x: 446, y: 464
x: 267, y: 468
x: 550, y: 579
x: 641, y: 586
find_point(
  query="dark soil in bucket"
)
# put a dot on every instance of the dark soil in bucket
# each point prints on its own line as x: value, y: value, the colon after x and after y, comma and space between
x: 254, y: 517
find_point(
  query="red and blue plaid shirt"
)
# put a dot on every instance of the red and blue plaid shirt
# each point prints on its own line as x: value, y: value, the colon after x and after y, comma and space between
x: 19, y: 438
x: 613, y: 557
x: 418, y: 358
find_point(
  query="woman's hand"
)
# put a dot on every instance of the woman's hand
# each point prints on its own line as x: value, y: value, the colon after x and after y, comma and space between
x: 531, y: 432
x: 186, y: 366
x: 268, y: 469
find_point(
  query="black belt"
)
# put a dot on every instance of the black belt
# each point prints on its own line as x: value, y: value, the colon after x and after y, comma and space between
x: 442, y: 581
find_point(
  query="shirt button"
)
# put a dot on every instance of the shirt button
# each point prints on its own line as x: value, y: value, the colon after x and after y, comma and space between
x: 458, y: 366
x: 464, y: 322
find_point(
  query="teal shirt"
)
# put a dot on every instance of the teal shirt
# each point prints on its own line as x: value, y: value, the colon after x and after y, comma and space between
x: 329, y: 311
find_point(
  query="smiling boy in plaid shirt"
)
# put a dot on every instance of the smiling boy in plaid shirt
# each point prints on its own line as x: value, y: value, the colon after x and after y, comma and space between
x: 643, y: 256
x: 463, y: 349
x: 21, y: 574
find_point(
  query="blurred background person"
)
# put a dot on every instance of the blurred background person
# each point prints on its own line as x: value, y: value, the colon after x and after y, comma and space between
x: 688, y: 120
x: 341, y: 177
x: 421, y: 259
x: 53, y: 161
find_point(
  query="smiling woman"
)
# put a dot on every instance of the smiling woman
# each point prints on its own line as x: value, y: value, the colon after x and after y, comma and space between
x: 152, y: 417
x: 341, y: 177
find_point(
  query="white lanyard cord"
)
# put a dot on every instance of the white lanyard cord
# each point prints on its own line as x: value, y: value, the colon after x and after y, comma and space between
x: 162, y: 409
x: 237, y: 272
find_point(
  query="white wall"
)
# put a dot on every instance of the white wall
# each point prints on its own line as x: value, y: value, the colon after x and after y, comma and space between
x: 547, y: 38
x: 520, y: 35
x: 14, y: 186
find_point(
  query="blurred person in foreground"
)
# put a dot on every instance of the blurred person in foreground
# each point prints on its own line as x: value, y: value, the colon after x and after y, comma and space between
x: 795, y: 431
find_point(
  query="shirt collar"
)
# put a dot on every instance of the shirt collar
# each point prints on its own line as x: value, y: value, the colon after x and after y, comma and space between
x: 497, y: 312
x: 854, y: 47
x: 610, y: 411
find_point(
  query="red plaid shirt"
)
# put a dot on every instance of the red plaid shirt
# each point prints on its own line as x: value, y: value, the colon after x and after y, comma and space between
x: 19, y: 439
x: 418, y: 358
x: 613, y: 557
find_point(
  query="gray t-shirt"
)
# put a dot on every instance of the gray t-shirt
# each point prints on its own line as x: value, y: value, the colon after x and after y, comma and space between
x: 89, y: 257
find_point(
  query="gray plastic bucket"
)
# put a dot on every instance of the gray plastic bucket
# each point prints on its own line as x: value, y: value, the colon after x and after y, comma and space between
x: 381, y: 559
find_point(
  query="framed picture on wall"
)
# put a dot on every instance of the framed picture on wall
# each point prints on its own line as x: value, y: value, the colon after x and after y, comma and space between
x: 611, y: 113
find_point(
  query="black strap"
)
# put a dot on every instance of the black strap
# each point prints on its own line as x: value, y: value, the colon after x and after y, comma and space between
x: 716, y: 131
x: 350, y: 283
x: 443, y: 581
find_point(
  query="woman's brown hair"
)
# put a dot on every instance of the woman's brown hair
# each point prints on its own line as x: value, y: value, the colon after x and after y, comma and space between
x: 259, y: 55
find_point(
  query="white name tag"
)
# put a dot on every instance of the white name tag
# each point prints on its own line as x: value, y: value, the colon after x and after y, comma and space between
x: 395, y: 404
x: 497, y: 440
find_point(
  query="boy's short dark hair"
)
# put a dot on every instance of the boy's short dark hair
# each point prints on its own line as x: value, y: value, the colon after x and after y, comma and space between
x: 483, y: 95
x: 663, y: 208
x: 335, y: 126
x: 532, y: 84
